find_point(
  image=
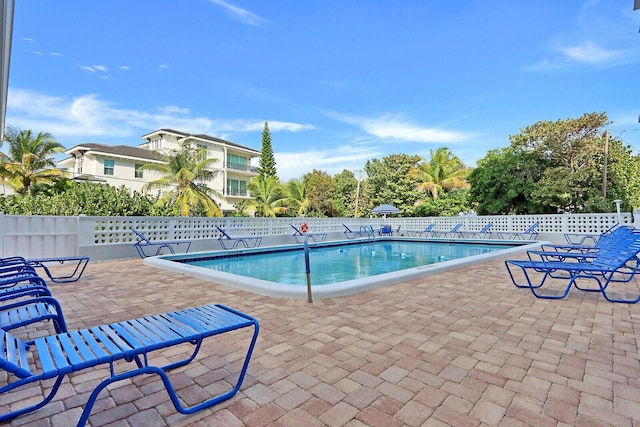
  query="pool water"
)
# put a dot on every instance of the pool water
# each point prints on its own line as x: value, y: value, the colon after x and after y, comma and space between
x: 339, y: 263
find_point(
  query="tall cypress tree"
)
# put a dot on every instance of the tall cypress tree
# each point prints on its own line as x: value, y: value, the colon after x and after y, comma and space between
x: 267, y: 163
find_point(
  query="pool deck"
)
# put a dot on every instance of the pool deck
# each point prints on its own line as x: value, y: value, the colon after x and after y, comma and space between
x: 462, y: 348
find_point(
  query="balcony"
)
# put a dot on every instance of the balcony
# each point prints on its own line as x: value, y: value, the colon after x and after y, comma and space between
x: 237, y: 193
x: 241, y: 167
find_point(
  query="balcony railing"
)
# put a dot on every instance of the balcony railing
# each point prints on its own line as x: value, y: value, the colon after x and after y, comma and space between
x: 241, y: 167
x: 239, y: 193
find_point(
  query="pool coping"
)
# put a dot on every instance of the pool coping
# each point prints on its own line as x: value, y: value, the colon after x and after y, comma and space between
x: 349, y: 287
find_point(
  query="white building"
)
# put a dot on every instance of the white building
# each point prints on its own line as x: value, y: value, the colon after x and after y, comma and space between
x: 120, y: 165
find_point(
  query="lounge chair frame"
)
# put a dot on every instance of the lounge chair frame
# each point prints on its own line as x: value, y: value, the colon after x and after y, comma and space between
x: 128, y: 341
x: 170, y: 245
x: 529, y: 234
x: 614, y: 263
x: 301, y: 237
x: 228, y: 242
x: 444, y: 233
x: 483, y: 233
x: 20, y: 262
x: 421, y: 233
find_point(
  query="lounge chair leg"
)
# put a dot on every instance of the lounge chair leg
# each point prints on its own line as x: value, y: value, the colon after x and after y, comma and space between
x: 11, y: 415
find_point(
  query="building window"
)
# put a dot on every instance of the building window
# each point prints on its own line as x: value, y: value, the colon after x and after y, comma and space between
x: 109, y: 166
x: 236, y: 187
x: 156, y: 143
x: 205, y: 149
x: 236, y: 162
x: 138, y: 170
x: 79, y: 163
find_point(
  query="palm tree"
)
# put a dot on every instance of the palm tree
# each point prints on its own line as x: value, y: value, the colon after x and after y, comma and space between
x: 267, y: 196
x: 297, y: 196
x: 444, y: 171
x: 186, y: 172
x: 29, y: 160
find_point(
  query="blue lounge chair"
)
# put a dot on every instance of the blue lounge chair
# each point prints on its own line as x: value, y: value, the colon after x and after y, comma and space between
x: 301, y: 237
x: 483, y: 233
x: 170, y: 245
x: 421, y: 233
x: 25, y: 299
x: 362, y: 232
x: 79, y: 262
x: 385, y: 230
x: 585, y: 239
x: 349, y: 234
x: 56, y: 356
x: 228, y: 242
x: 601, y: 240
x: 576, y: 253
x: 529, y: 234
x: 21, y: 312
x: 615, y: 263
x: 444, y: 233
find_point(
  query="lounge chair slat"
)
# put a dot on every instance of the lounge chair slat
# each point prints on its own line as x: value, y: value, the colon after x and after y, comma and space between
x: 81, y: 346
x: 70, y: 350
x: 157, y: 327
x: 88, y: 337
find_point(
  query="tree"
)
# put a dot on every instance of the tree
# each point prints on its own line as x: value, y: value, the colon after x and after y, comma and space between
x: 267, y: 162
x: 185, y: 171
x: 574, y: 150
x: 269, y: 198
x: 296, y: 198
x: 389, y: 181
x: 504, y: 180
x: 345, y: 185
x: 30, y: 159
x: 443, y: 171
x: 319, y: 188
x: 557, y: 167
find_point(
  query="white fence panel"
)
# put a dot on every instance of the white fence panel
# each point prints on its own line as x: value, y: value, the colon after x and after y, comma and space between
x: 104, y: 238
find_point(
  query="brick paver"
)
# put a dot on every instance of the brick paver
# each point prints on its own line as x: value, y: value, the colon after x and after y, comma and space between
x: 460, y: 348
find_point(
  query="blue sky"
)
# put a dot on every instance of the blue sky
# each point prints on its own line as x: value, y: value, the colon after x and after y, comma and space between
x: 339, y: 81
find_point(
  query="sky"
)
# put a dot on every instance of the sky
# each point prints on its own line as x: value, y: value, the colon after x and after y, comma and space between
x: 340, y: 82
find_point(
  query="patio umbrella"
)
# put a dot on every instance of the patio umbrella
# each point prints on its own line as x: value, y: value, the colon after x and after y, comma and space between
x: 385, y: 209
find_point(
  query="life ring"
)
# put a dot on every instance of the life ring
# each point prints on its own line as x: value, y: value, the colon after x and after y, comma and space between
x: 304, y: 227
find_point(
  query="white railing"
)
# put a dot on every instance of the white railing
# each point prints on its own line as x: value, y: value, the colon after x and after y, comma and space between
x: 104, y: 238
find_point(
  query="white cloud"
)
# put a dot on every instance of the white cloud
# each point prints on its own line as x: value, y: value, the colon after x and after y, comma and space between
x: 240, y: 14
x: 333, y: 161
x: 93, y: 68
x: 173, y: 109
x: 56, y: 54
x: 589, y: 53
x: 394, y: 127
x: 88, y: 116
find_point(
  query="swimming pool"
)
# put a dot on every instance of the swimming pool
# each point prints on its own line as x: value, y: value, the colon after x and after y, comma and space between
x: 347, y: 267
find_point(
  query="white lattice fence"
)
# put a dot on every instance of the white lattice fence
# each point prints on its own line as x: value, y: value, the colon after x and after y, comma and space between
x: 45, y: 236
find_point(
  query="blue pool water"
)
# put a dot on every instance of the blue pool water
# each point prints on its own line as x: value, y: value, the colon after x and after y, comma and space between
x: 339, y: 263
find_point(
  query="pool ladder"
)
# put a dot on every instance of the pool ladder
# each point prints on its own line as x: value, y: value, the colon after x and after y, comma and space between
x: 367, y: 230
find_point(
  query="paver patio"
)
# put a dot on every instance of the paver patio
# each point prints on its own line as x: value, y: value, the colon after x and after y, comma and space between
x: 462, y: 348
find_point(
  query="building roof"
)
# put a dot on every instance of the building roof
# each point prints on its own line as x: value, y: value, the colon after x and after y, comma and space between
x: 116, y: 150
x: 203, y: 137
